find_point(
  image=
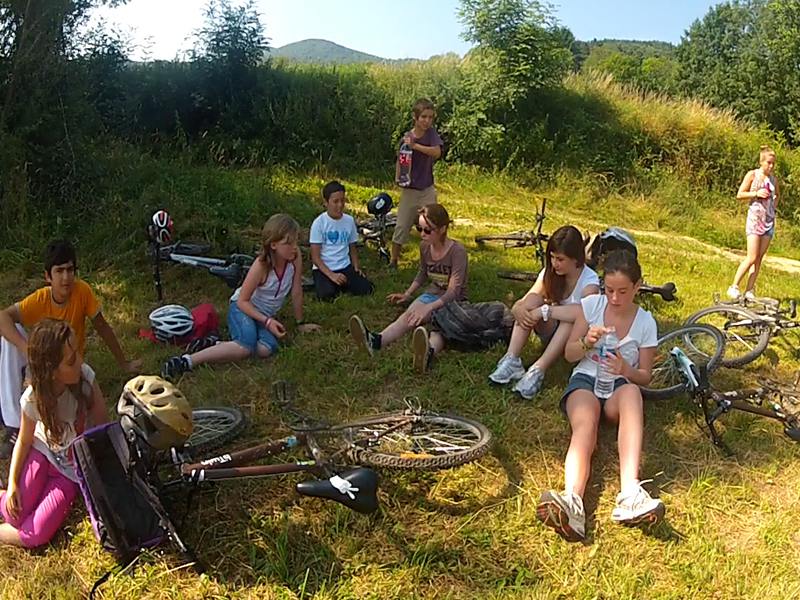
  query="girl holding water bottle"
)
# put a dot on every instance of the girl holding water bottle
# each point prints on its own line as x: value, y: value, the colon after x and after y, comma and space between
x: 612, y: 338
x: 760, y: 188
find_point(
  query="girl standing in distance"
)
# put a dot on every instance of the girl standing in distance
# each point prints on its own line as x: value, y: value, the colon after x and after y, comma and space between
x: 760, y: 188
x: 632, y: 363
x: 443, y: 262
x: 273, y: 276
x: 549, y: 309
x: 61, y: 401
x: 426, y: 146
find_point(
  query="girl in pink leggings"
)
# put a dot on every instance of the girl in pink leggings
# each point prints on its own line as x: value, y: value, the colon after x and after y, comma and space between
x: 61, y: 400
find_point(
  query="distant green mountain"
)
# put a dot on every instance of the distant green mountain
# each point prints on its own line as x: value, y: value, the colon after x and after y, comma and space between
x: 323, y: 52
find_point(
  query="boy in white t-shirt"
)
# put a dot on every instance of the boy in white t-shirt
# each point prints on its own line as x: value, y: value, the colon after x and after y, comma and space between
x: 333, y: 240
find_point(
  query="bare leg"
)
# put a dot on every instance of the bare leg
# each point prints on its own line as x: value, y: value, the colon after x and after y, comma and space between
x: 9, y: 535
x: 753, y: 246
x: 583, y: 411
x: 222, y: 352
x: 394, y: 252
x: 555, y: 348
x: 436, y: 341
x: 262, y: 351
x: 626, y: 408
x: 397, y: 329
x: 764, y: 242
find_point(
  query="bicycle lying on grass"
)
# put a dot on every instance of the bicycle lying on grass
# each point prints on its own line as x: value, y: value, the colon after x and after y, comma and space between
x: 771, y: 399
x: 666, y: 291
x: 231, y: 269
x: 335, y: 455
x: 520, y: 239
x: 747, y: 324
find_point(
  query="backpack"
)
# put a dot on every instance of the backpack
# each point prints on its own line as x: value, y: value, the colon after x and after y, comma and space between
x: 604, y: 242
x: 126, y: 515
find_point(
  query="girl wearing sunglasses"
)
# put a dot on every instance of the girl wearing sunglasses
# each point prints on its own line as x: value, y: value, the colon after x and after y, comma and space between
x: 442, y: 265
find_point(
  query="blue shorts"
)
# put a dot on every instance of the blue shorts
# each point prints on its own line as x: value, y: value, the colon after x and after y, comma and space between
x: 582, y: 381
x: 427, y: 298
x: 247, y: 333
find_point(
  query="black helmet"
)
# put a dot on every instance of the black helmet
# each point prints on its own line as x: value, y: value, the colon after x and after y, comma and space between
x: 380, y: 204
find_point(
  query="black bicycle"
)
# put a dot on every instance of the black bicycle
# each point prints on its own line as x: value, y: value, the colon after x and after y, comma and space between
x: 375, y: 229
x: 747, y: 324
x: 521, y: 239
x: 770, y: 399
x: 666, y: 291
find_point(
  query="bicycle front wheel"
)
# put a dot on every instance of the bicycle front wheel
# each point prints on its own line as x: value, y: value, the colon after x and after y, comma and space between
x: 746, y: 335
x: 213, y: 427
x: 425, y: 442
x: 703, y: 344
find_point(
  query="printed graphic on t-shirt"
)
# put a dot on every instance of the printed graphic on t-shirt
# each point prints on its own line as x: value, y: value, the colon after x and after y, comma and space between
x: 440, y: 275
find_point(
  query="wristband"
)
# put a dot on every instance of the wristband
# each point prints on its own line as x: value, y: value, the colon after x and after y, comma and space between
x: 545, y: 312
x: 267, y: 322
x: 582, y: 341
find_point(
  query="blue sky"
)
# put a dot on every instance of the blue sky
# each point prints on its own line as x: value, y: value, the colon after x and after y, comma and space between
x: 394, y: 28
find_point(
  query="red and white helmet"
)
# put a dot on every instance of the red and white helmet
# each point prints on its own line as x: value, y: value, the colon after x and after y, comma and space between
x: 162, y: 227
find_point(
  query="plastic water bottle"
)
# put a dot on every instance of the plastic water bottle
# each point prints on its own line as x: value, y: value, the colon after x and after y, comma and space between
x: 404, y: 158
x: 604, y: 382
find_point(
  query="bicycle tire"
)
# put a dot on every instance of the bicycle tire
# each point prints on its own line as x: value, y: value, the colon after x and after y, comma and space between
x: 527, y: 276
x: 703, y: 344
x: 213, y: 427
x: 515, y: 239
x: 743, y: 343
x: 405, y: 447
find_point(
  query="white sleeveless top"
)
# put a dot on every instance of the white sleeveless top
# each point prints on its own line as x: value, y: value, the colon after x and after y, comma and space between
x: 587, y: 277
x: 269, y: 297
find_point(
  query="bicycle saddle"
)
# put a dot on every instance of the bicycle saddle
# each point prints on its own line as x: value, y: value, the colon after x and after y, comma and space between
x: 231, y: 275
x: 355, y: 488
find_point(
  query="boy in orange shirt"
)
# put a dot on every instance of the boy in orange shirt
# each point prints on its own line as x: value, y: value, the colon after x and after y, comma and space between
x: 67, y: 298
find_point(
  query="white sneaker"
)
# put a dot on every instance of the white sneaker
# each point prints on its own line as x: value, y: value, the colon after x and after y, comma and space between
x: 564, y: 513
x: 509, y: 368
x: 733, y: 292
x: 749, y: 295
x: 635, y: 506
x: 531, y: 383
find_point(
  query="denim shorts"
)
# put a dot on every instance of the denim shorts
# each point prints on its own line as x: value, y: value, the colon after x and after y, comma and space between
x: 427, y: 298
x: 247, y: 333
x: 582, y: 381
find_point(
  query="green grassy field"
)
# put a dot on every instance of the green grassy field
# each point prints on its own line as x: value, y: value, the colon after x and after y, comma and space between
x: 472, y: 532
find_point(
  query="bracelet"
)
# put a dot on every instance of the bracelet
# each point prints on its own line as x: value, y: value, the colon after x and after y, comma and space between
x: 267, y: 322
x: 582, y: 341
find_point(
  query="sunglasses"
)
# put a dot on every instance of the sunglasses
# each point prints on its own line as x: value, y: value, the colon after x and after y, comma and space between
x: 425, y: 230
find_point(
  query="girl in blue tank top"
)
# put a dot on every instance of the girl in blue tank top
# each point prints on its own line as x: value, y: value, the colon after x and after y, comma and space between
x: 254, y: 327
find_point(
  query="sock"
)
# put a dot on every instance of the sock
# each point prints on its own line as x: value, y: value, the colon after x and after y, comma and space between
x: 188, y: 360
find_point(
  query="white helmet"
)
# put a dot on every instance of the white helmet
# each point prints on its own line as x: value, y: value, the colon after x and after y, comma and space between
x: 171, y: 321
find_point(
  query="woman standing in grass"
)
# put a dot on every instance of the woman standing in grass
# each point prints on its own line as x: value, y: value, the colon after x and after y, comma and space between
x: 631, y: 363
x: 564, y: 280
x: 62, y: 400
x: 760, y: 188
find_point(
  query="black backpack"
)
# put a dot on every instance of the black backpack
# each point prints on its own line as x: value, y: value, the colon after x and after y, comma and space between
x: 126, y: 514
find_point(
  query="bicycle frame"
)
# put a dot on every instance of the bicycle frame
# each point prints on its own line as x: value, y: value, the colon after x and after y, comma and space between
x: 714, y: 403
x: 767, y: 310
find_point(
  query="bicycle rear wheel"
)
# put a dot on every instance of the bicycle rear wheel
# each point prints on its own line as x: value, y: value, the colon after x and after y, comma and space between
x: 703, y: 344
x: 425, y: 442
x: 746, y: 335
x: 516, y: 239
x: 213, y: 427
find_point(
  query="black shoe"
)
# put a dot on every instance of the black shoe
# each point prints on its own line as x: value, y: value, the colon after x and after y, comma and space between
x: 175, y: 367
x: 202, y: 343
x: 363, y: 337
